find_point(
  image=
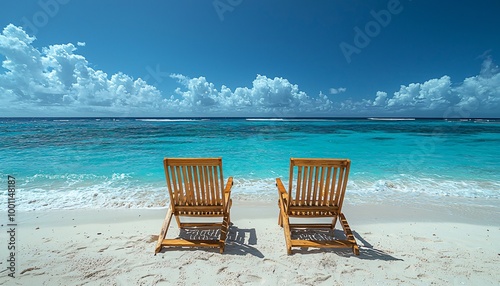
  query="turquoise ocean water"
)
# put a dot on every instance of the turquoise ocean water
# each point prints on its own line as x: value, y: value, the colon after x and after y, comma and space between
x: 117, y: 163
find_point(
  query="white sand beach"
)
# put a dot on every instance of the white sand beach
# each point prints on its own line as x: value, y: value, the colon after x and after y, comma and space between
x: 400, y: 245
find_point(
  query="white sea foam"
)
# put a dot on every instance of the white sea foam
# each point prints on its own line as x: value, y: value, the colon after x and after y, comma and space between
x: 77, y: 191
x: 168, y: 120
x: 486, y: 121
x: 290, y: 119
x: 310, y: 120
x: 71, y: 191
x: 264, y: 119
x: 390, y: 119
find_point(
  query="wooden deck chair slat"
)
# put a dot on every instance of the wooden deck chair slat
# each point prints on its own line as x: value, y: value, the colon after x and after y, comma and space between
x: 195, y: 187
x: 291, y: 181
x: 202, y: 175
x: 326, y: 193
x: 218, y: 190
x: 185, y: 184
x: 305, y: 181
x: 314, y: 197
x: 207, y: 185
x: 199, y: 184
x: 316, y: 189
x: 344, y: 187
x: 179, y: 189
x: 169, y: 183
x: 296, y: 194
x: 338, y: 189
x: 299, y: 187
x: 307, y: 199
x: 321, y: 189
x: 190, y: 182
x: 206, y: 175
x: 208, y: 197
x: 196, y: 178
x: 175, y: 189
x: 213, y: 191
x: 332, y: 186
x: 194, y: 161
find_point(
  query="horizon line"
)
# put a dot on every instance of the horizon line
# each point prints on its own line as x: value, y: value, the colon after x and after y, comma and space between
x: 244, y: 117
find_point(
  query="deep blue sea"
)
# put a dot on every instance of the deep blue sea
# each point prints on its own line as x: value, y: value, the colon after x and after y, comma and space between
x: 117, y: 162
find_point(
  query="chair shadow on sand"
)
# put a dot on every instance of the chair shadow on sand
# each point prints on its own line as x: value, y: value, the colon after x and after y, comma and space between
x: 240, y: 242
x: 367, y: 251
x: 235, y: 242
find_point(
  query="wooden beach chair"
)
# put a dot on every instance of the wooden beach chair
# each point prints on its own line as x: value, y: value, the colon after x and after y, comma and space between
x: 196, y: 189
x: 317, y: 192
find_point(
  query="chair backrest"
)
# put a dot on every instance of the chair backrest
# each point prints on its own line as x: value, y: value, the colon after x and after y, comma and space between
x: 319, y: 182
x: 194, y: 181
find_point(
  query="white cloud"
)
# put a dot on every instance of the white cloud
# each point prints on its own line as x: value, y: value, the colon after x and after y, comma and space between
x: 426, y: 96
x: 337, y: 90
x: 81, y: 44
x: 58, y: 80
x: 474, y: 96
x: 380, y: 98
x: 272, y: 96
x: 481, y: 91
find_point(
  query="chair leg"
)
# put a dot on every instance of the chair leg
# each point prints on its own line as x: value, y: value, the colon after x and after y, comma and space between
x: 226, y: 224
x: 334, y: 222
x: 348, y: 234
x: 164, y: 229
x: 288, y: 240
x: 355, y: 249
x: 223, y: 233
x: 280, y: 220
x: 179, y: 224
x: 288, y: 234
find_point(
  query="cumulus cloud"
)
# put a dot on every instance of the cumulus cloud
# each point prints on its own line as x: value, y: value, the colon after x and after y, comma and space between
x: 429, y: 95
x: 481, y: 91
x: 266, y: 95
x: 475, y: 95
x: 56, y: 78
x: 337, y: 90
x: 380, y: 98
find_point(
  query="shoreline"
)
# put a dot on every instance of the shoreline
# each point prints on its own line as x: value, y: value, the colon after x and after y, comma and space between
x: 420, y: 244
x: 443, y: 209
x: 94, y: 200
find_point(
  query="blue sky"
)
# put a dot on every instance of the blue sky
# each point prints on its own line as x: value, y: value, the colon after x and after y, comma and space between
x: 250, y: 58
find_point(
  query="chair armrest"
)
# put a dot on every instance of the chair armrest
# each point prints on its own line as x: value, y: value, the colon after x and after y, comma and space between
x: 283, y: 195
x: 227, y: 194
x: 281, y: 189
x: 229, y: 184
